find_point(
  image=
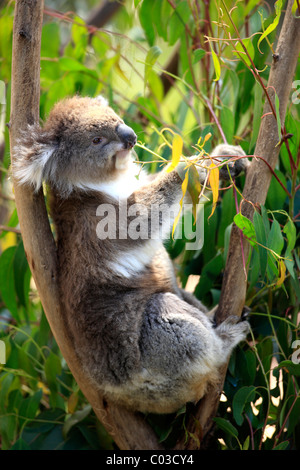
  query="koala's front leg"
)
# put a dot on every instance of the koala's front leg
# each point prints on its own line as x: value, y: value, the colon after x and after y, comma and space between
x: 166, y: 188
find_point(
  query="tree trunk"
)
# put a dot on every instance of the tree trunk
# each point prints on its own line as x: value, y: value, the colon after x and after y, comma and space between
x: 257, y: 183
x: 129, y: 430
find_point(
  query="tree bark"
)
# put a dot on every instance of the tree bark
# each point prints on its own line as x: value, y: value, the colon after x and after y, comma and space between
x: 259, y: 175
x: 257, y: 183
x: 129, y: 430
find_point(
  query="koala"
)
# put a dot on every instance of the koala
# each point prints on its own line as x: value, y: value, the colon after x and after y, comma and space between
x: 145, y: 343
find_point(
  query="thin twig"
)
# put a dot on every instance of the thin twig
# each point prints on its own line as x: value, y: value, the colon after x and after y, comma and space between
x: 4, y: 228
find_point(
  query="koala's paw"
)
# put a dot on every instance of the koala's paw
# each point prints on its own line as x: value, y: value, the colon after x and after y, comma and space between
x: 232, y: 168
x: 233, y: 329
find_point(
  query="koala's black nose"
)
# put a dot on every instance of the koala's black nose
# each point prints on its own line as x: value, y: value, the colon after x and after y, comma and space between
x: 127, y: 135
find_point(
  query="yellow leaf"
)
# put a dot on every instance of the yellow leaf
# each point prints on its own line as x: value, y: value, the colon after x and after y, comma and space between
x: 184, y: 188
x: 44, y: 388
x: 10, y: 239
x: 72, y: 402
x: 214, y: 184
x: 207, y: 137
x: 177, y: 146
x: 282, y: 269
x: 217, y: 65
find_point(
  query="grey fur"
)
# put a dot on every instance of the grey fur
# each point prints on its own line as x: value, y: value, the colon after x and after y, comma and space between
x: 144, y: 342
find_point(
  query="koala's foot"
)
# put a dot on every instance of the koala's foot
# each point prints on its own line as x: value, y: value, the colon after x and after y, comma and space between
x: 245, y: 313
x: 233, y: 169
x: 233, y: 330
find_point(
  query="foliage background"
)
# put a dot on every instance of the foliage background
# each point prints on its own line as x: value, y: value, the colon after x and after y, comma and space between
x: 210, y: 90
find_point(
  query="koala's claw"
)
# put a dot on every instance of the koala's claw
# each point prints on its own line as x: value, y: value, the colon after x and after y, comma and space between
x: 245, y: 313
x: 231, y: 168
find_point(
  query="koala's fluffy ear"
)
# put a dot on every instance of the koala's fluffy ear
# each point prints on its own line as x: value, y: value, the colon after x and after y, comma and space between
x: 102, y: 101
x: 31, y: 155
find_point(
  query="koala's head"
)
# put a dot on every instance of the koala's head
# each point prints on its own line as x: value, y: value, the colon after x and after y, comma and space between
x: 83, y: 141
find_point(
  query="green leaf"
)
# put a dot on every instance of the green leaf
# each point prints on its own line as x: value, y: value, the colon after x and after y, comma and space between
x: 20, y: 444
x: 254, y: 269
x: 246, y: 443
x: 226, y: 426
x: 243, y: 396
x: 240, y: 52
x: 247, y: 227
x: 50, y: 41
x: 276, y: 194
x: 208, y: 275
x: 177, y: 22
x: 217, y: 65
x: 262, y: 240
x: 290, y: 230
x: 72, y: 65
x: 150, y: 60
x: 227, y: 123
x: 198, y: 54
x: 295, y: 8
x: 22, y: 275
x: 275, y: 238
x: 282, y: 446
x: 293, y: 368
x: 156, y: 86
x: 265, y: 217
x: 145, y: 15
x: 75, y: 418
x: 52, y: 369
x: 7, y: 281
x: 273, y: 25
x: 161, y: 14
x: 30, y: 405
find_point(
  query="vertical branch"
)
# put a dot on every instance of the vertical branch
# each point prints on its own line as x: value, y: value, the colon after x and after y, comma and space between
x: 257, y: 183
x: 128, y: 429
x: 259, y: 175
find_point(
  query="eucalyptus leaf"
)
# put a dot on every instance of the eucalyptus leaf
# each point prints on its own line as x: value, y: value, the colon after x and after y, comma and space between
x: 76, y: 418
x: 243, y: 396
x: 262, y: 242
x: 226, y: 426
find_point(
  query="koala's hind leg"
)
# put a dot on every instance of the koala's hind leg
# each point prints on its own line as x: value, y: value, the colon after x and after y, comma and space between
x: 181, y: 351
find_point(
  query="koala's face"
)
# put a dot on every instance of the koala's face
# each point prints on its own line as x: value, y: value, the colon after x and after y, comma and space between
x: 83, y: 141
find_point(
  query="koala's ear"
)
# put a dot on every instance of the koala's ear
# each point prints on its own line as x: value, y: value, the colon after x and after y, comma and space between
x: 31, y: 155
x: 102, y: 101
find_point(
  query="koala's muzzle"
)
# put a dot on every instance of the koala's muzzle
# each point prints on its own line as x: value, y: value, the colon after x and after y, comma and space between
x: 126, y: 135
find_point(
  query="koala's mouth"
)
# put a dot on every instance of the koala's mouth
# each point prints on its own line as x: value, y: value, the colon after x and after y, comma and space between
x: 123, y: 158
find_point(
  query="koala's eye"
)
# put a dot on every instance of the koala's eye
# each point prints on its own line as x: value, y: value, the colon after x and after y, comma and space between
x: 97, y: 140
